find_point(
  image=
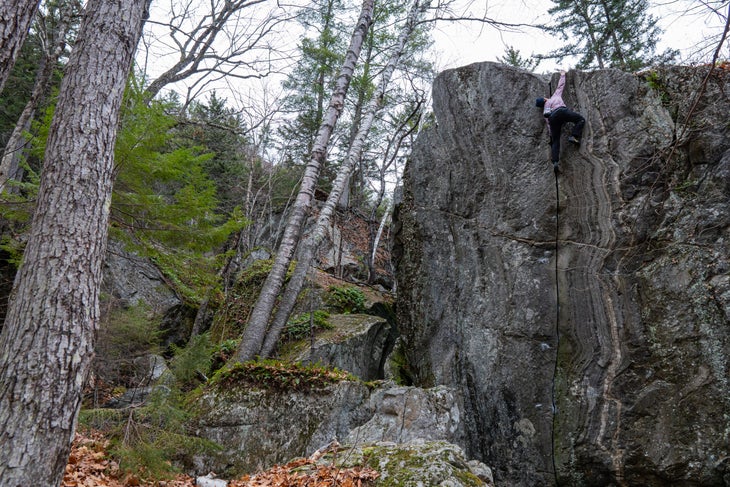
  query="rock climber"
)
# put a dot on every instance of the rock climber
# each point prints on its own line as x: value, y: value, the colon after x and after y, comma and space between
x: 556, y: 114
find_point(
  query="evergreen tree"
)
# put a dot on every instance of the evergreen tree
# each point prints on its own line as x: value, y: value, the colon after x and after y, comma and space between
x: 607, y: 34
x: 512, y: 57
x: 221, y: 130
x: 413, y: 69
x: 313, y: 77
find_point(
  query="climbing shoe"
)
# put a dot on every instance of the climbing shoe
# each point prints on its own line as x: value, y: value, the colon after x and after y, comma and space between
x: 574, y: 140
x: 556, y: 167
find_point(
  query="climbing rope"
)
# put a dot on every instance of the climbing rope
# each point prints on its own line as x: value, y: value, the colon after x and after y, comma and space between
x: 557, y: 326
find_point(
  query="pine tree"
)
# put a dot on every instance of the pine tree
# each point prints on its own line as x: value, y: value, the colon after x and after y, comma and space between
x: 512, y: 57
x: 312, y: 79
x: 607, y: 34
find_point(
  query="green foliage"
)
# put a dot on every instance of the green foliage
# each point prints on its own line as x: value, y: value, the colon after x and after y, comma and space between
x: 300, y: 326
x: 345, y: 299
x: 153, y: 440
x: 607, y: 33
x: 312, y: 78
x: 512, y: 57
x: 126, y: 334
x: 278, y: 376
x: 162, y: 192
x: 21, y: 79
x: 164, y: 199
x: 656, y: 82
x: 192, y: 361
x: 164, y: 205
x: 200, y: 359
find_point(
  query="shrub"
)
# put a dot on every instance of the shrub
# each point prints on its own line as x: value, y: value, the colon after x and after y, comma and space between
x: 346, y: 299
x: 299, y: 327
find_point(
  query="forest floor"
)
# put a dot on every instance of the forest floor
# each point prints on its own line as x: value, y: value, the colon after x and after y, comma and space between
x: 90, y: 465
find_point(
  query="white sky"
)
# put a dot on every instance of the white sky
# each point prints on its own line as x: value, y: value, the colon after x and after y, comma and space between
x: 455, y: 44
x: 465, y: 43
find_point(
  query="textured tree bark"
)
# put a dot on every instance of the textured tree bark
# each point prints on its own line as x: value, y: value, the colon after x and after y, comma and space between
x: 47, y: 341
x: 255, y: 332
x: 14, y: 146
x: 311, y: 244
x: 15, y: 19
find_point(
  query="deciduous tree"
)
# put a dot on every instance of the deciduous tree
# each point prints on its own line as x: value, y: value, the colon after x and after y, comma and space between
x: 15, y: 19
x: 255, y: 332
x: 215, y: 40
x: 312, y: 242
x: 46, y: 343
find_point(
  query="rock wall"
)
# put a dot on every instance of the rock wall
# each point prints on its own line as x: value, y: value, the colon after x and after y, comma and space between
x: 611, y: 307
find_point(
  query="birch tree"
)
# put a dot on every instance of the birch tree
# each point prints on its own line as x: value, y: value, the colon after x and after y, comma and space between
x: 407, y: 127
x: 312, y: 242
x: 312, y: 79
x: 46, y: 343
x: 53, y: 33
x: 15, y: 19
x: 255, y: 332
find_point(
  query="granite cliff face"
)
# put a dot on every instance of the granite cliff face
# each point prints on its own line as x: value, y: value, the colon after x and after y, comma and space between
x: 610, y: 308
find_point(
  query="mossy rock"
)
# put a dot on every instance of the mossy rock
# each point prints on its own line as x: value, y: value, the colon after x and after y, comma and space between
x: 416, y: 464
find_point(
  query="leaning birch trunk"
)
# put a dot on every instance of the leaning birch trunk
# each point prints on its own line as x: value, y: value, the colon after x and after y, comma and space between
x: 15, y: 19
x: 311, y: 244
x: 14, y: 146
x: 253, y: 335
x: 46, y: 344
x: 376, y: 240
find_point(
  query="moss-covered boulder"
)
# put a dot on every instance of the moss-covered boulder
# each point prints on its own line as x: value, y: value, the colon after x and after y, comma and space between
x: 416, y: 464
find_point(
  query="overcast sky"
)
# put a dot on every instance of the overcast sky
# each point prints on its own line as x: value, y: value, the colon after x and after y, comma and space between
x: 465, y: 43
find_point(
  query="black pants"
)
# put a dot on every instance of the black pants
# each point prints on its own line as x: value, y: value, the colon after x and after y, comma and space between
x: 556, y: 121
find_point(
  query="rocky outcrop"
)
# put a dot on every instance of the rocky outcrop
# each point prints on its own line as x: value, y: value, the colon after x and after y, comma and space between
x: 357, y: 343
x: 585, y: 319
x: 408, y: 414
x: 131, y: 280
x: 258, y: 428
x: 419, y: 463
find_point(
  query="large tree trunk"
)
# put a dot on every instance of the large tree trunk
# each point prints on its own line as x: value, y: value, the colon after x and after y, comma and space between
x: 311, y: 244
x: 255, y: 332
x: 14, y: 147
x: 15, y: 19
x: 47, y: 341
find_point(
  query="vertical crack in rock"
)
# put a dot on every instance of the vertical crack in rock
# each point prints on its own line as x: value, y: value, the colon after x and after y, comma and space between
x: 643, y: 276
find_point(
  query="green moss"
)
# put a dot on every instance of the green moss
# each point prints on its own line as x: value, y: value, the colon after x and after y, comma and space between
x: 401, y: 370
x: 278, y: 376
x: 301, y: 326
x: 345, y: 299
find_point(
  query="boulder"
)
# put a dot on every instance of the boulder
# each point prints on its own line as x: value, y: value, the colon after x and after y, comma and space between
x: 257, y: 428
x: 358, y: 344
x: 132, y: 280
x: 584, y: 317
x: 407, y: 414
x: 417, y: 463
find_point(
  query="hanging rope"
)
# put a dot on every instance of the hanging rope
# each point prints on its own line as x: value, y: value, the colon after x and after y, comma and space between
x: 557, y: 326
